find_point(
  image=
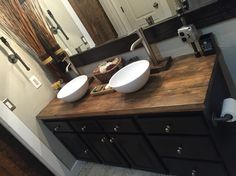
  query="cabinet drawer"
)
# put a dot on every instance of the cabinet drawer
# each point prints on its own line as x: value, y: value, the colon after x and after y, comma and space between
x: 174, y: 125
x: 73, y: 143
x: 192, y: 168
x: 185, y: 147
x: 119, y: 126
x: 59, y: 126
x: 86, y: 126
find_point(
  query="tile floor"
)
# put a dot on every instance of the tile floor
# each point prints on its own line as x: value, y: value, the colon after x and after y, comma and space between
x: 91, y: 169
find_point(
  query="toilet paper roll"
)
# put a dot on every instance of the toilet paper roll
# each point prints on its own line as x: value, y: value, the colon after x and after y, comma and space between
x: 229, y: 107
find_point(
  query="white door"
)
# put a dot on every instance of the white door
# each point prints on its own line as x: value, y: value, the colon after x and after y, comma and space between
x: 136, y: 11
x: 128, y: 15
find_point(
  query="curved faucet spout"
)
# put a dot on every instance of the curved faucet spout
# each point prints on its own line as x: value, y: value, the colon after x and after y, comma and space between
x: 155, y: 56
x: 135, y: 44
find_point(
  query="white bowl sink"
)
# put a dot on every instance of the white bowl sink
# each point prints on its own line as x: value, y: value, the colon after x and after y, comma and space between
x: 74, y: 90
x: 131, y: 78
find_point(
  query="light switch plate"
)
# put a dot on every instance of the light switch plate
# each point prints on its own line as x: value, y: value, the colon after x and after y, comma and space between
x: 9, y: 104
x: 34, y: 80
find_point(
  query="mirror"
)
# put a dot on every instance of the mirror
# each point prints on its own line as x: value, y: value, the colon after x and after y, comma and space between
x: 107, y: 20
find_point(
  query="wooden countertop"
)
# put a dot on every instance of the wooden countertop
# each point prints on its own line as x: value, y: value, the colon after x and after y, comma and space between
x: 182, y: 88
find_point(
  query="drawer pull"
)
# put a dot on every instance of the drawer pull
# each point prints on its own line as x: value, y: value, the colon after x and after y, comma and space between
x: 116, y: 128
x: 103, y: 140
x: 194, y: 172
x: 112, y: 140
x: 179, y: 150
x: 168, y: 129
x: 83, y: 128
x: 57, y: 128
x: 86, y: 151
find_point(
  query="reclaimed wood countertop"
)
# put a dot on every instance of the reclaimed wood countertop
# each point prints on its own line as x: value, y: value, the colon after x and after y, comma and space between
x: 182, y: 88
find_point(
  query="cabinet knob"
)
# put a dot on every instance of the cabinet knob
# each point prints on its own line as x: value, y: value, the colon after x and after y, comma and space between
x: 116, y: 128
x: 86, y: 151
x: 103, y: 140
x: 194, y: 172
x: 112, y: 140
x: 57, y: 128
x: 167, y: 128
x: 83, y: 128
x: 180, y: 150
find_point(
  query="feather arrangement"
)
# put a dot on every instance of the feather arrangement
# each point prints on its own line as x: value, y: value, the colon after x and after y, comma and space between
x: 15, y: 22
x: 34, y: 12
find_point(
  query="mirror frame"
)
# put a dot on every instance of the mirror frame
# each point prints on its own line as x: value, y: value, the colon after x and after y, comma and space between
x: 203, y: 17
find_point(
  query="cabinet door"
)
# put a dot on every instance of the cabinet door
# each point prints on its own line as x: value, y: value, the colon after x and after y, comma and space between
x: 194, y: 168
x: 185, y: 147
x: 73, y: 143
x: 138, y: 152
x: 106, y: 150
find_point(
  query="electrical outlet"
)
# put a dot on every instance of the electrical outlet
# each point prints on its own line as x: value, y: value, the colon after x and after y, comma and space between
x: 34, y: 80
x: 9, y: 104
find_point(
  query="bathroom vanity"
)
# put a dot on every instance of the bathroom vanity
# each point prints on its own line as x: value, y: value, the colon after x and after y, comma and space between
x: 166, y: 127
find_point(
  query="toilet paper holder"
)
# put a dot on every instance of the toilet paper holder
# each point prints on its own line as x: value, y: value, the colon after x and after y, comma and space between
x: 228, y: 111
x: 225, y: 118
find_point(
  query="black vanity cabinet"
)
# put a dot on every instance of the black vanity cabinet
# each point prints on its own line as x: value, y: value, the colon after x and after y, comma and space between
x: 167, y: 127
x: 194, y: 168
x: 139, y: 154
x: 65, y: 133
x: 131, y: 142
x: 105, y: 149
x: 76, y: 146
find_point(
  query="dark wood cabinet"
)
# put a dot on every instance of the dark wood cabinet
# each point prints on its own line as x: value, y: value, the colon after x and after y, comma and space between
x: 174, y: 124
x: 138, y: 152
x: 167, y: 126
x: 105, y: 149
x: 119, y: 125
x: 86, y: 126
x: 194, y: 168
x: 144, y: 142
x: 58, y: 126
x: 185, y: 147
x: 76, y: 146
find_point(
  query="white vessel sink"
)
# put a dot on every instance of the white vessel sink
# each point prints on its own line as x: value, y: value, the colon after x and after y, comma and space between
x: 74, y: 90
x: 131, y: 78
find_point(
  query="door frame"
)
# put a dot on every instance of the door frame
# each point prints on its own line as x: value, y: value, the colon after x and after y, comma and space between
x: 130, y: 16
x: 78, y: 22
x: 118, y: 19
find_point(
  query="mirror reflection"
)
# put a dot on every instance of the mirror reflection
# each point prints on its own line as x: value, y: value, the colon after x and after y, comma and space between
x: 102, y: 21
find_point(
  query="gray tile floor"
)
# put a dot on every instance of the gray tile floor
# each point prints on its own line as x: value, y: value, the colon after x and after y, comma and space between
x: 91, y: 169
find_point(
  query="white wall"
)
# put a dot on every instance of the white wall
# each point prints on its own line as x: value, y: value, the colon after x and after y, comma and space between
x: 29, y: 101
